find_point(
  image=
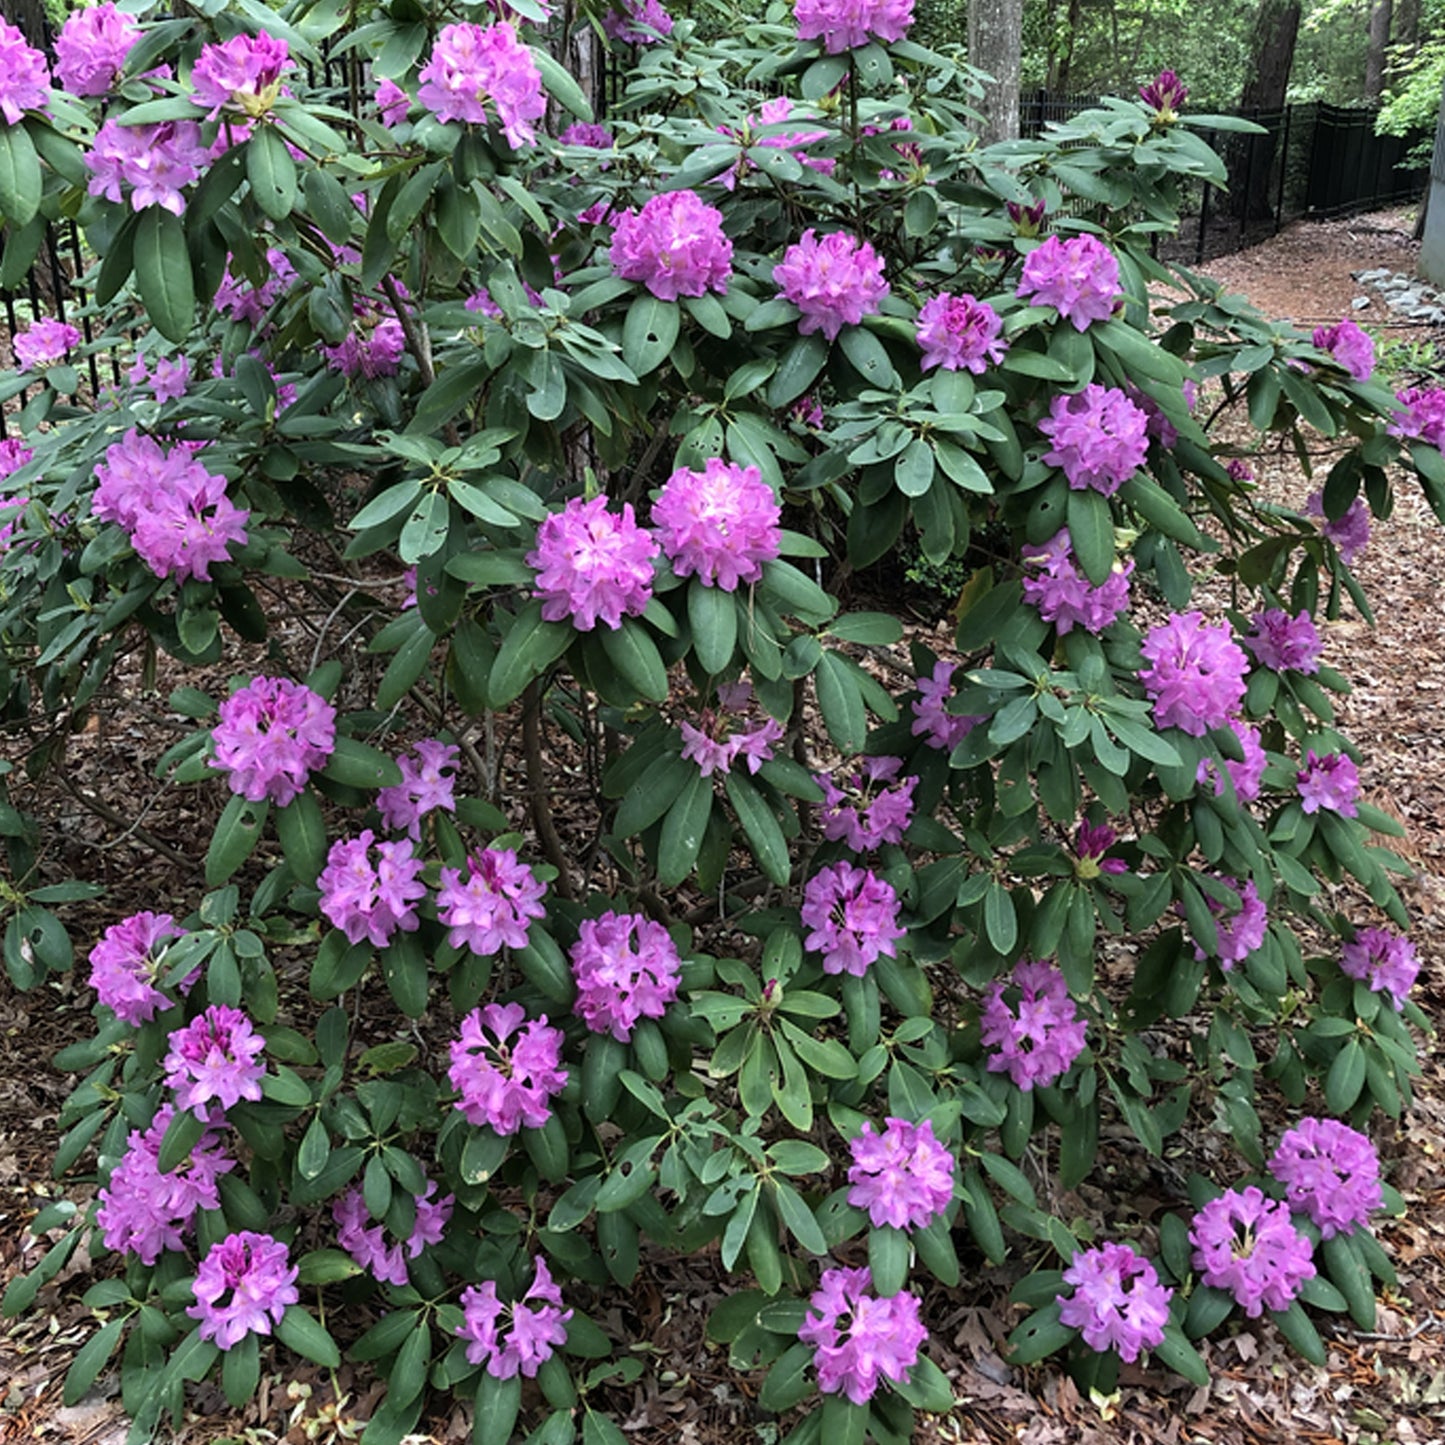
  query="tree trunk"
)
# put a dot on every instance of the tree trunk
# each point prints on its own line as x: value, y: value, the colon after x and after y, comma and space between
x: 1066, y: 58
x: 1407, y: 25
x: 28, y: 17
x: 1379, y: 40
x: 995, y: 46
x: 1276, y: 27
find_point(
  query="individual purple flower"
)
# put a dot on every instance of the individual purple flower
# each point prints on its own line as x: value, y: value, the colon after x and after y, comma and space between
x: 1100, y: 438
x: 591, y: 564
x: 1330, y: 1172
x: 91, y: 49
x: 170, y: 377
x: 720, y: 523
x: 1285, y: 643
x: 366, y: 1242
x: 834, y: 282
x: 1384, y: 960
x: 506, y: 1083
x: 243, y: 300
x: 470, y: 65
x: 1065, y: 596
x: 960, y: 332
x: 932, y: 720
x: 145, y: 1212
x: 755, y: 132
x: 1091, y: 842
x: 127, y: 963
x: 1350, y: 346
x: 1350, y: 532
x: 848, y: 24
x: 428, y: 783
x: 517, y: 1338
x: 371, y: 898
x: 243, y: 1287
x: 1421, y: 416
x: 43, y: 342
x: 1037, y: 1039
x: 1248, y: 773
x: 1331, y: 783
x: 1117, y: 1301
x: 1247, y: 1244
x: 272, y: 735
x: 1241, y: 931
x: 1079, y: 278
x: 858, y: 1339
x: 492, y: 907
x: 674, y: 245
x: 638, y: 22
x: 215, y: 1056
x: 902, y: 1176
x: 853, y: 915
x: 24, y: 76
x: 392, y: 103
x: 627, y: 968
x: 1195, y: 674
x: 587, y: 133
x: 1165, y: 96
x: 1239, y: 469
x: 243, y: 73
x: 374, y: 351
x: 14, y: 453
x: 871, y: 808
x: 755, y: 745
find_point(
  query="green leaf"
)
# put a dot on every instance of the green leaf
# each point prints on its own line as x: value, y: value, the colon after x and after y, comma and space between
x: 425, y: 530
x: 764, y: 835
x: 798, y: 370
x: 1175, y: 1351
x: 634, y: 654
x: 356, y: 764
x: 21, y: 181
x: 271, y: 172
x: 1040, y: 1335
x: 498, y: 1402
x: 1346, y: 1078
x: 682, y: 831
x: 302, y: 831
x: 91, y: 1358
x: 299, y: 1331
x: 163, y: 273
x: 889, y: 1255
x: 926, y: 1387
x: 1091, y: 532
x: 868, y: 357
x: 237, y: 833
x: 241, y: 1370
x: 649, y: 333
x: 841, y: 703
x: 560, y: 84
x: 1297, y: 1327
x: 787, y: 1383
x: 713, y: 617
x: 530, y: 647
x: 999, y: 918
x: 1347, y: 1268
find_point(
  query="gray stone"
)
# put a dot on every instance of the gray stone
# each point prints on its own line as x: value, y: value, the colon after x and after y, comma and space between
x: 1360, y: 303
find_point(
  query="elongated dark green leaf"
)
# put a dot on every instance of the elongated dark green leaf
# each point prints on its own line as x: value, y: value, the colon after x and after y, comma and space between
x: 163, y: 273
x: 271, y: 172
x: 21, y: 181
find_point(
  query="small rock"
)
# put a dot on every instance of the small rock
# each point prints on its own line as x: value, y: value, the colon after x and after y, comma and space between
x: 1360, y: 302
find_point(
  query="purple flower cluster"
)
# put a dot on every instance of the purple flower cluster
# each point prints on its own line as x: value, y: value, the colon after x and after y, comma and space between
x: 1037, y: 1039
x: 43, y: 342
x: 1100, y: 438
x: 770, y: 113
x: 1165, y: 96
x: 848, y: 24
x: 215, y: 1056
x: 1079, y: 278
x: 638, y: 22
x: 144, y: 1211
x: 1248, y: 774
x: 902, y: 1176
x: 1330, y: 1172
x: 522, y: 1337
x: 592, y: 563
x: 167, y: 380
x: 1421, y: 416
x: 1384, y: 960
x: 1247, y: 1244
x: 374, y: 350
x: 1241, y: 932
x: 428, y: 783
x: 1117, y: 1302
x: 834, y: 282
x: 1065, y: 597
x: 932, y: 720
x: 720, y: 523
x: 960, y: 332
x: 238, y: 298
x: 674, y: 245
x: 469, y: 65
x: 24, y: 76
x: 272, y: 735
x: 366, y: 1242
x: 1351, y: 532
x: 506, y: 1084
x: 1331, y: 783
x: 91, y: 49
x: 177, y: 513
x: 860, y: 1340
x: 492, y: 907
x: 371, y: 899
x: 627, y: 968
x: 243, y: 1287
x: 392, y: 103
x: 127, y: 962
x: 243, y: 73
x: 1350, y: 346
x: 1285, y: 643
x: 714, y: 748
x: 866, y: 810
x: 587, y: 133
x: 156, y: 162
x: 853, y: 915
x: 1195, y: 674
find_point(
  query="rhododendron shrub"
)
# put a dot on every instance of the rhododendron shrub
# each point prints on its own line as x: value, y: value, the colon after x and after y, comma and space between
x: 582, y: 873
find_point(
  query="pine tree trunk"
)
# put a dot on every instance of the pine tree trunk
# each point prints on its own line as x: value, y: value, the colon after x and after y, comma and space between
x: 1379, y: 40
x: 28, y: 17
x: 1276, y: 28
x: 1407, y: 24
x: 995, y: 46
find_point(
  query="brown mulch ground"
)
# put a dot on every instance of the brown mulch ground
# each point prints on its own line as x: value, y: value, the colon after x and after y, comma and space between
x: 1388, y: 1386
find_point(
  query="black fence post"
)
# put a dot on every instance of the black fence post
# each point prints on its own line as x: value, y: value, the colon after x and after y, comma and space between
x: 1283, y: 167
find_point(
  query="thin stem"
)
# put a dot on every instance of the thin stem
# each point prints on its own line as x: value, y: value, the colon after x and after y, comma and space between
x: 537, y: 790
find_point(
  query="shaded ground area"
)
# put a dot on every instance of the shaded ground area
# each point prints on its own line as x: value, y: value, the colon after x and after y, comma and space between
x: 1387, y: 1386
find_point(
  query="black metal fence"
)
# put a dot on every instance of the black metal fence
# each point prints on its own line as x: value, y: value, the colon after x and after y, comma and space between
x: 1314, y: 161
